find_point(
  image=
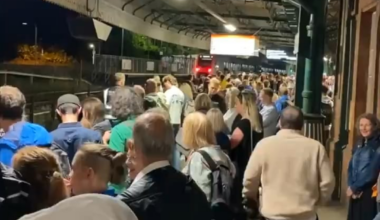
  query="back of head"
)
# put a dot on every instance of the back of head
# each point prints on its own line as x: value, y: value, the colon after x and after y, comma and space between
x: 171, y: 79
x: 292, y: 118
x: 198, y: 131
x: 157, y: 127
x: 87, y: 206
x: 107, y: 164
x: 125, y: 103
x: 120, y: 79
x: 231, y: 97
x: 40, y: 168
x: 139, y: 90
x: 150, y: 86
x: 215, y: 116
x: 202, y: 102
x: 12, y: 103
x: 187, y: 90
x: 93, y: 112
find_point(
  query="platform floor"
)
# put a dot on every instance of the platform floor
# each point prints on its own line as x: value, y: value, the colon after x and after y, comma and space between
x: 332, y: 213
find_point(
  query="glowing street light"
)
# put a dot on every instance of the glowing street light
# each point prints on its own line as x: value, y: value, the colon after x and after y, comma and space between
x: 35, y: 32
x: 92, y: 46
x: 230, y: 27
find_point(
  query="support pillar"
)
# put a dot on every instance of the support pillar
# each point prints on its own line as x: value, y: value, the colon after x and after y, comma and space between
x: 302, y: 55
x: 311, y: 106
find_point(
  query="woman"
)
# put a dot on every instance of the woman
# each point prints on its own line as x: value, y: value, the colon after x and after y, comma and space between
x: 230, y: 116
x: 246, y: 133
x: 363, y: 169
x: 220, y: 129
x: 39, y: 167
x: 96, y: 165
x: 93, y: 112
x: 202, y: 103
x: 198, y: 136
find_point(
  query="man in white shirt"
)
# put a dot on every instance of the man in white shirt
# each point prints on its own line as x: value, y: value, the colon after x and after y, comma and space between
x: 268, y: 112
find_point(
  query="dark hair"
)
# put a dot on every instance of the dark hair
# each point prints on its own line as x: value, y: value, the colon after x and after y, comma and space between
x: 268, y: 92
x: 12, y: 103
x: 325, y: 89
x: 125, y: 103
x: 292, y: 118
x: 68, y: 109
x: 372, y: 118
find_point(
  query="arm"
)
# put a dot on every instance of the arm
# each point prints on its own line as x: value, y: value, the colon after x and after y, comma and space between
x: 199, y: 172
x: 6, y: 155
x: 117, y: 142
x: 326, y: 176
x: 252, y: 175
x: 370, y: 179
x: 238, y: 135
x: 269, y: 117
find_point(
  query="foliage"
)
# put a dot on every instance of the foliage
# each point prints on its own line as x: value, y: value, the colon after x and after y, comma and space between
x: 37, y: 55
x: 144, y: 43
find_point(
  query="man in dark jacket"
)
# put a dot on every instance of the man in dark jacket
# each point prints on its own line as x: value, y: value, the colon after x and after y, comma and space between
x: 160, y: 192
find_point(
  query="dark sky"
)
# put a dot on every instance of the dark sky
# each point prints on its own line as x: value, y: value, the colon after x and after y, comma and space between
x: 53, y: 30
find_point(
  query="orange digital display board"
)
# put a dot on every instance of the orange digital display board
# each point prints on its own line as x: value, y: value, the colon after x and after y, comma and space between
x: 236, y: 45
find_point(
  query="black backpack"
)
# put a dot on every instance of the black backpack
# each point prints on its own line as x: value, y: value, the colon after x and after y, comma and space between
x: 221, y: 189
x: 14, y: 194
x: 63, y: 159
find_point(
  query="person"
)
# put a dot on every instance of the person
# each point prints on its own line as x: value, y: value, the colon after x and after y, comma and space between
x: 39, y: 167
x: 126, y: 106
x: 139, y: 90
x: 18, y: 133
x: 282, y: 101
x: 268, y: 112
x: 87, y: 206
x: 246, y: 133
x: 175, y: 99
x: 187, y: 89
x: 363, y: 169
x: 151, y: 196
x: 93, y: 112
x: 198, y: 136
x: 94, y: 166
x: 327, y: 110
x: 292, y: 186
x: 108, y: 93
x: 152, y: 100
x: 202, y: 103
x: 220, y: 129
x: 230, y: 116
x: 70, y: 134
x: 215, y: 94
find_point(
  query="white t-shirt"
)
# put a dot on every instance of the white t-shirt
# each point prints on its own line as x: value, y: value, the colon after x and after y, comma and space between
x: 175, y: 99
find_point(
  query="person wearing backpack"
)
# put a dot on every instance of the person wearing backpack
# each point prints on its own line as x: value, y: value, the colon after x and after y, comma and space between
x: 210, y: 168
x: 152, y: 99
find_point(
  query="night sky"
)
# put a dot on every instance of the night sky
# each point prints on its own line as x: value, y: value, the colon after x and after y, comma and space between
x: 53, y: 30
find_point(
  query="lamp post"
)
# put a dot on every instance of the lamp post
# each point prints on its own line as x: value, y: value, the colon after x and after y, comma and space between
x: 35, y: 32
x: 92, y: 46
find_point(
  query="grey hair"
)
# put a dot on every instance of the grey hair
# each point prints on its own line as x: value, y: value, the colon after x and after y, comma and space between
x: 125, y: 103
x: 153, y: 134
x: 159, y: 110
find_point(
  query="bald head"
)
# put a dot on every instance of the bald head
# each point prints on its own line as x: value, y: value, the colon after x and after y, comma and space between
x: 291, y: 118
x: 153, y: 135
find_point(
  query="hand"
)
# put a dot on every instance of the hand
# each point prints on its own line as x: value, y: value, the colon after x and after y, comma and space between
x: 106, y: 137
x: 349, y: 192
x: 68, y: 186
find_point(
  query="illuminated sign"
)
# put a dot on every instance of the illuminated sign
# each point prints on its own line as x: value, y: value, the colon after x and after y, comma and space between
x: 235, y: 45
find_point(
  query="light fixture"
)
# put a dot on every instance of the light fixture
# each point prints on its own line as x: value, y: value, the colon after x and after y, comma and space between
x: 24, y: 23
x: 91, y: 46
x: 230, y: 27
x: 325, y: 59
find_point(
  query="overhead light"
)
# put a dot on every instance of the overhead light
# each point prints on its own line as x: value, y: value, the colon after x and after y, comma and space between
x: 230, y: 27
x: 91, y: 46
x: 24, y: 23
x: 325, y: 59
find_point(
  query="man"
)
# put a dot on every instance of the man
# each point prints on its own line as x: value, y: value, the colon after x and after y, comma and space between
x: 108, y: 93
x: 152, y: 100
x: 18, y: 133
x: 269, y: 112
x: 158, y: 190
x: 294, y: 172
x: 216, y: 96
x: 175, y: 100
x: 282, y: 101
x: 70, y: 135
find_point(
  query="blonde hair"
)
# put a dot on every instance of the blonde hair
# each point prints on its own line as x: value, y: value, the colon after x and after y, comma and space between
x: 106, y: 163
x: 283, y: 90
x: 216, y: 118
x: 231, y: 95
x: 171, y: 79
x: 196, y: 131
x: 186, y: 89
x: 248, y: 100
x: 202, y: 102
x: 39, y: 167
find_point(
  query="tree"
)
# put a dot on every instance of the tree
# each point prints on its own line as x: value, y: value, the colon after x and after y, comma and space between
x: 37, y: 55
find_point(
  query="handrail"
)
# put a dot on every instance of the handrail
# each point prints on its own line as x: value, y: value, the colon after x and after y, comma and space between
x: 60, y: 92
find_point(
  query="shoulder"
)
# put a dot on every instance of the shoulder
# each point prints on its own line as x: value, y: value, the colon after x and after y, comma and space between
x: 243, y: 123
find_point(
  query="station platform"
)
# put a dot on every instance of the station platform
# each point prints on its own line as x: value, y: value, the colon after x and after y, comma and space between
x: 333, y: 212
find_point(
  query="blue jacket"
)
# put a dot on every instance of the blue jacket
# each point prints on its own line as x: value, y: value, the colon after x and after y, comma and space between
x: 281, y: 103
x: 364, y: 166
x: 20, y: 135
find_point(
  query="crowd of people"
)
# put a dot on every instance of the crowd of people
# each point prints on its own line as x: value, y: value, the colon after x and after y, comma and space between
x: 223, y: 148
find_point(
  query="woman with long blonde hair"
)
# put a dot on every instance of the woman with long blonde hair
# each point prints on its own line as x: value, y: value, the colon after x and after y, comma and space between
x: 247, y: 132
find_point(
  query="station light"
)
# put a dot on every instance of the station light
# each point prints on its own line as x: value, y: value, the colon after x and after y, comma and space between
x: 91, y: 46
x: 24, y: 23
x: 230, y: 27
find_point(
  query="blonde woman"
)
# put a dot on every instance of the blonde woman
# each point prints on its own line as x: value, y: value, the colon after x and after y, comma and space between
x: 202, y: 103
x: 247, y: 132
x: 220, y: 129
x: 230, y: 116
x: 198, y: 136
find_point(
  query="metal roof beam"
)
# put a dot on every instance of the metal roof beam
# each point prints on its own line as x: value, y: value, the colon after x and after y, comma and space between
x: 249, y: 17
x: 253, y: 29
